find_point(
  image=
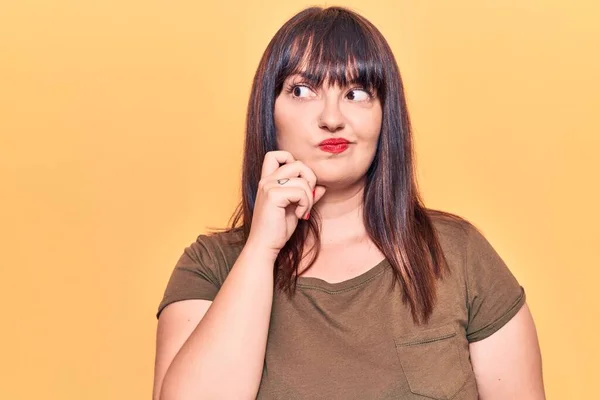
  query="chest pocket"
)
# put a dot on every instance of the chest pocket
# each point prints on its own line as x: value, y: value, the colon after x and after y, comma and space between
x: 432, y: 362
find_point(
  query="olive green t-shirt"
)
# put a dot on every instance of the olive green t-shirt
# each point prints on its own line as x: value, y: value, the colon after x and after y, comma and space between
x: 356, y: 339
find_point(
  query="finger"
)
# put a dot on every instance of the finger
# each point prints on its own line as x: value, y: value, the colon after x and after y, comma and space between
x: 300, y: 183
x: 295, y: 169
x: 273, y: 160
x: 284, y: 197
x: 319, y: 193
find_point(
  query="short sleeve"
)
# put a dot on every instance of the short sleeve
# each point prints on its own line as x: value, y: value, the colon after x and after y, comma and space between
x: 196, y: 275
x: 494, y: 295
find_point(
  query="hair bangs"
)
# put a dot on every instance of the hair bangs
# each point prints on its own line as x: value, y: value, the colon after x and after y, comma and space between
x: 333, y: 49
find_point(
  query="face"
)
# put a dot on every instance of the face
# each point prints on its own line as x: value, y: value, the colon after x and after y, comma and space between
x: 306, y: 116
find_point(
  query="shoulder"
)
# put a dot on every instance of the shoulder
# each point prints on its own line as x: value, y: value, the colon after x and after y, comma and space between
x: 453, y: 231
x: 463, y: 242
x: 218, y: 248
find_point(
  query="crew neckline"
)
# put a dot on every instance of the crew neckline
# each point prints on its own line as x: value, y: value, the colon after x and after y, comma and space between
x: 321, y: 284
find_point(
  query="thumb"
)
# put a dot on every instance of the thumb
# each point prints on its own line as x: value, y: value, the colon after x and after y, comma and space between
x: 319, y: 192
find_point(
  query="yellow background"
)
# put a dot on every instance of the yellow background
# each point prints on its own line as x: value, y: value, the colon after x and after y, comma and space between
x: 121, y: 129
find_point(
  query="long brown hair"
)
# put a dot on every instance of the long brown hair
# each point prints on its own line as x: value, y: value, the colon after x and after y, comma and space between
x: 337, y: 44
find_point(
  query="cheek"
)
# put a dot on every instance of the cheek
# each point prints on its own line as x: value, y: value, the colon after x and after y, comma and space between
x: 291, y: 123
x: 369, y: 126
x: 283, y: 117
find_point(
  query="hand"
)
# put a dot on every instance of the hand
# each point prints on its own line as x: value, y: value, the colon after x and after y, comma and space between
x: 278, y: 206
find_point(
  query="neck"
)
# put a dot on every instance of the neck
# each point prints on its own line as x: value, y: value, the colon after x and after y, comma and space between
x: 341, y: 214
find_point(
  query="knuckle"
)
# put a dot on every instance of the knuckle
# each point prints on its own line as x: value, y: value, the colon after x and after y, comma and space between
x: 271, y: 154
x: 270, y: 194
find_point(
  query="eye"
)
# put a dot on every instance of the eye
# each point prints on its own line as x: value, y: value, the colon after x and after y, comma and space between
x: 301, y: 91
x: 358, y: 95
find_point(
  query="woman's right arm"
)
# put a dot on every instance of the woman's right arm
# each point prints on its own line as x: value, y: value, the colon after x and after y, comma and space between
x: 216, y: 350
x: 223, y: 355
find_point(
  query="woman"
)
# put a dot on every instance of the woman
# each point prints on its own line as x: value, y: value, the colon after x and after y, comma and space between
x: 338, y: 283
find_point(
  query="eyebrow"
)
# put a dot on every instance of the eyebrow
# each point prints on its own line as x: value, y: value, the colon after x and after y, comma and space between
x: 313, y: 79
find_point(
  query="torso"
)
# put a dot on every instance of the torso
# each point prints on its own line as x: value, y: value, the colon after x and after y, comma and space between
x: 346, y: 334
x: 355, y: 339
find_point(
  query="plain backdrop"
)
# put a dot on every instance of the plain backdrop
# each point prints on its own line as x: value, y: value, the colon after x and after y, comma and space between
x: 121, y: 131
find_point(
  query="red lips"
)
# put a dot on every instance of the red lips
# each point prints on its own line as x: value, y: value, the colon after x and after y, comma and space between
x: 334, y: 146
x: 334, y: 142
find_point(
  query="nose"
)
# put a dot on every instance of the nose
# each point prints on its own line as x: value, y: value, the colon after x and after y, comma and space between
x: 331, y: 117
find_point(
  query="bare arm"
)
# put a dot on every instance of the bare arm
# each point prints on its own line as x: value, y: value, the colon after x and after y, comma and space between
x: 508, y: 364
x: 175, y: 325
x: 219, y: 341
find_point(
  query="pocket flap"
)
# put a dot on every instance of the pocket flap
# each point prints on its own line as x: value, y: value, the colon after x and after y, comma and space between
x: 427, y: 336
